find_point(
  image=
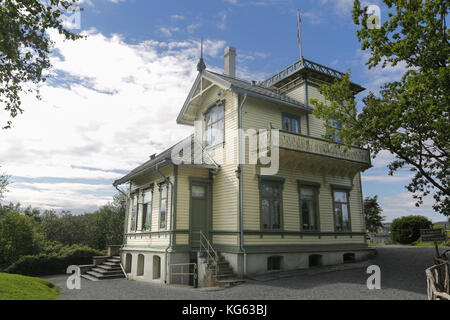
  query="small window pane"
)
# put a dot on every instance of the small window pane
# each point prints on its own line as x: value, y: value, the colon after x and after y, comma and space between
x: 164, y: 192
x: 265, y: 214
x: 340, y: 196
x: 198, y: 191
x: 147, y: 196
x: 345, y: 216
x: 286, y: 123
x: 276, y: 214
x: 295, y: 126
x: 307, y: 192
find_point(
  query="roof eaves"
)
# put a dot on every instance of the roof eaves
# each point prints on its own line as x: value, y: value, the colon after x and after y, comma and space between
x: 144, y: 168
x: 297, y: 105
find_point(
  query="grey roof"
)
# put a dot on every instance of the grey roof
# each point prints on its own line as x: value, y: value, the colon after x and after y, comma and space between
x: 165, y: 157
x: 260, y: 91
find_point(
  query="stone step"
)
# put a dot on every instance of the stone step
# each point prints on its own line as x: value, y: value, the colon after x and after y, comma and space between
x: 102, y: 276
x: 89, y: 277
x: 113, y: 260
x: 230, y: 282
x: 223, y: 276
x: 221, y: 270
x: 113, y: 264
x: 106, y: 267
x: 107, y: 272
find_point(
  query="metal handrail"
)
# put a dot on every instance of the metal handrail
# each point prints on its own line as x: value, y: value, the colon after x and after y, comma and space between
x: 209, y: 250
x: 182, y: 273
x: 123, y: 270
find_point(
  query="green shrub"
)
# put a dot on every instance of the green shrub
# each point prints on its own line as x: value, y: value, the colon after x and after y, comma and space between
x: 17, y: 237
x: 406, y: 230
x: 48, y: 264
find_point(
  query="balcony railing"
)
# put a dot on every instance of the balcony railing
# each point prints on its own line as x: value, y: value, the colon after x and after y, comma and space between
x: 317, y: 146
x: 300, y: 65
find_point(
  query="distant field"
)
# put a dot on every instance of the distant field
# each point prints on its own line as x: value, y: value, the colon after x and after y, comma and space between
x: 18, y: 287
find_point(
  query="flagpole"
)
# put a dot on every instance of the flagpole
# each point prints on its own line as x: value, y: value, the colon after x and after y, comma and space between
x: 299, y: 35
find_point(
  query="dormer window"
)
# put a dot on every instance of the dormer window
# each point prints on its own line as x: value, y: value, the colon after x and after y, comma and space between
x: 214, y: 125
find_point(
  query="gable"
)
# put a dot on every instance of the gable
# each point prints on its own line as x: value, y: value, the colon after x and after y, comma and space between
x: 204, y: 83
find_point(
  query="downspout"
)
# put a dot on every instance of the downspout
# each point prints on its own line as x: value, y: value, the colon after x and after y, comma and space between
x: 241, y: 178
x: 172, y: 193
x: 125, y: 227
x: 126, y: 214
x: 307, y: 104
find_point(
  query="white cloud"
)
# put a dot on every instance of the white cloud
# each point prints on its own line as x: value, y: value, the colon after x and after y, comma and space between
x: 383, y: 158
x: 403, y: 204
x: 222, y: 20
x: 108, y: 105
x: 386, y: 178
x: 177, y: 17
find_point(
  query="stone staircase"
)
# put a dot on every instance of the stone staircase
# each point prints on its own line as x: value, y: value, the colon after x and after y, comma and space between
x: 109, y: 269
x: 225, y: 276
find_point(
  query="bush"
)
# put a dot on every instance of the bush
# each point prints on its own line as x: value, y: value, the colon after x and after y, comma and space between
x: 17, y: 237
x: 406, y: 230
x: 48, y: 264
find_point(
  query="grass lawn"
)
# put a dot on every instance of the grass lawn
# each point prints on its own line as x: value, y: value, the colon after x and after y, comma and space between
x: 18, y: 287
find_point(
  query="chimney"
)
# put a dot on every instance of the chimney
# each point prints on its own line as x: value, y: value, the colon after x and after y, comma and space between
x: 230, y: 61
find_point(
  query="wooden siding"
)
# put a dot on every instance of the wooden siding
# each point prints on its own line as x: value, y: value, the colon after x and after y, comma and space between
x: 183, y: 194
x: 143, y: 237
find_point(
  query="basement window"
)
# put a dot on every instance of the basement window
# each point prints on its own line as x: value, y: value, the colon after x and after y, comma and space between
x: 315, y: 260
x: 349, y: 257
x: 274, y: 263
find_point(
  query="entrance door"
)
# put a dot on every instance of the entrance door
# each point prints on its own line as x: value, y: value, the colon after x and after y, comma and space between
x: 199, y: 213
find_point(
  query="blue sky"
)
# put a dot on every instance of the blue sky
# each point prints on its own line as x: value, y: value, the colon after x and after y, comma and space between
x: 112, y: 99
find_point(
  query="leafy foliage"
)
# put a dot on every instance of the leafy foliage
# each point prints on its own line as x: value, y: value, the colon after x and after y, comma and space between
x: 372, y: 214
x: 3, y: 184
x: 25, y: 46
x: 16, y: 237
x: 55, y: 263
x: 406, y: 230
x: 410, y: 117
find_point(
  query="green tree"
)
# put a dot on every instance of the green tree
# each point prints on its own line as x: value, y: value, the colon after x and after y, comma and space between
x: 17, y: 237
x: 372, y: 213
x: 4, y: 181
x: 25, y: 46
x: 406, y: 230
x: 410, y: 117
x: 107, y: 228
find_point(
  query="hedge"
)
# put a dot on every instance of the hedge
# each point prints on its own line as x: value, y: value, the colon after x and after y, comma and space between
x: 406, y: 230
x: 48, y: 264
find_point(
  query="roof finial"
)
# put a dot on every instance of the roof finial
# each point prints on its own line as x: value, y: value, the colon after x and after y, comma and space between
x: 201, y: 64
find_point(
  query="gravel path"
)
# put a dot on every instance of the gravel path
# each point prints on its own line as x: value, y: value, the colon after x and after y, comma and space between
x: 402, y: 277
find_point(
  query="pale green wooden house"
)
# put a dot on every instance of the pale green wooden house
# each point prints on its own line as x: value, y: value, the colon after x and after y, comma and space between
x: 310, y: 212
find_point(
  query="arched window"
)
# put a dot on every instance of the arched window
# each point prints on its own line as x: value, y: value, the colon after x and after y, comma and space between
x: 128, y: 259
x: 214, y: 124
x: 156, y: 267
x: 140, y: 266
